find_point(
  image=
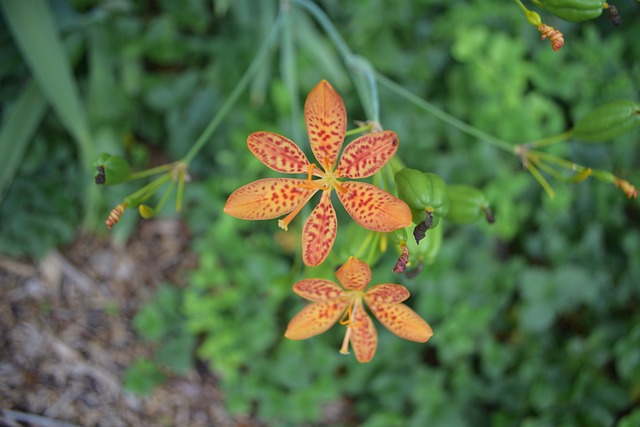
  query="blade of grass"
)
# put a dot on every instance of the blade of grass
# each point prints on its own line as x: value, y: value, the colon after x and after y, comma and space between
x: 34, y: 30
x: 17, y: 131
x: 33, y: 27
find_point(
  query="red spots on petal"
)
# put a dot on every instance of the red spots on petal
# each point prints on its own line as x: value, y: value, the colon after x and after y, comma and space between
x: 277, y: 152
x: 319, y: 232
x: 374, y: 208
x: 367, y: 154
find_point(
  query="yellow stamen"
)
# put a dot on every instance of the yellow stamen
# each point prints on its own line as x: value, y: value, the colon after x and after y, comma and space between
x: 311, y: 166
x: 284, y: 222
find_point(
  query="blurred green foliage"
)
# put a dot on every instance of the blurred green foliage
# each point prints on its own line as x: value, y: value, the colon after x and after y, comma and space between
x: 535, y: 317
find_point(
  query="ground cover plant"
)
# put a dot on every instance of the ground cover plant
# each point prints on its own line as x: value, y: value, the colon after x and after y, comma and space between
x: 437, y: 149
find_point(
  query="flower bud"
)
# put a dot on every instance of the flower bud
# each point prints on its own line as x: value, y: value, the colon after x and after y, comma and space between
x: 468, y: 204
x: 111, y: 170
x: 146, y: 211
x: 425, y: 193
x: 573, y: 10
x: 608, y: 121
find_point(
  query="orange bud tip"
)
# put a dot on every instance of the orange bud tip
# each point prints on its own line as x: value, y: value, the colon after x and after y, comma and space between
x: 627, y: 188
x: 555, y: 37
x: 115, y: 214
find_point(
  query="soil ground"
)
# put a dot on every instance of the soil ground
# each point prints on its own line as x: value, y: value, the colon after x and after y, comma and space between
x: 66, y: 336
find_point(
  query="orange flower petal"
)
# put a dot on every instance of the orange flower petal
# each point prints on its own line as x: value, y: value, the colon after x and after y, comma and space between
x: 277, y: 152
x: 319, y: 232
x: 401, y: 320
x: 373, y: 208
x: 367, y: 154
x: 318, y: 289
x: 326, y: 120
x: 315, y: 319
x: 354, y: 274
x: 387, y: 293
x: 364, y: 338
x: 267, y: 198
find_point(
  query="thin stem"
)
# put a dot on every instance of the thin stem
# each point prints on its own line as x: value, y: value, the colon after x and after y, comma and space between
x: 148, y: 172
x: 356, y: 63
x: 558, y: 161
x: 238, y: 90
x: 165, y: 196
x: 148, y: 190
x: 541, y: 179
x: 361, y: 129
x: 180, y: 192
x: 328, y: 27
x: 519, y: 3
x: 364, y: 245
x: 445, y: 117
x: 550, y: 140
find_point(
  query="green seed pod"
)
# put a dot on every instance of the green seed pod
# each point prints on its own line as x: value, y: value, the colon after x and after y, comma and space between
x: 468, y: 204
x: 423, y: 192
x: 573, y: 10
x: 111, y: 170
x: 608, y: 121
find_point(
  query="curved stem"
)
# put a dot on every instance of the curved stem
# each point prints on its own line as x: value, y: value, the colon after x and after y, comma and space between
x: 445, y: 117
x: 353, y: 62
x: 255, y: 65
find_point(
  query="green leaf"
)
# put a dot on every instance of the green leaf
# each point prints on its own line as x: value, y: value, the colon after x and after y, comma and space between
x: 33, y: 27
x: 17, y: 131
x: 142, y: 377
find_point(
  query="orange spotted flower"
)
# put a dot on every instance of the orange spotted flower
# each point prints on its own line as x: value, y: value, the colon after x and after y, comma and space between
x: 369, y: 206
x: 330, y: 302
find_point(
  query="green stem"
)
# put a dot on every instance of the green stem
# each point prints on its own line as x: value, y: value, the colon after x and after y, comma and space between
x: 361, y: 129
x: 541, y: 179
x: 354, y: 62
x: 328, y: 27
x: 558, y: 161
x: 165, y: 197
x: 148, y: 172
x: 148, y: 190
x: 238, y: 90
x: 445, y: 117
x: 550, y: 140
x: 519, y: 3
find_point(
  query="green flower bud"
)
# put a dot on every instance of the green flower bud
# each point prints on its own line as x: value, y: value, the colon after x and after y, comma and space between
x: 608, y: 121
x: 423, y: 192
x: 146, y: 211
x: 111, y: 170
x: 573, y: 10
x: 468, y: 204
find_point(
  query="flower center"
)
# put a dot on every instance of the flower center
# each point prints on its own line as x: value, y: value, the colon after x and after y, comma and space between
x: 326, y: 182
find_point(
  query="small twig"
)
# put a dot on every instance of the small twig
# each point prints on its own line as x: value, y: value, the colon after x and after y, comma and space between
x: 36, y: 420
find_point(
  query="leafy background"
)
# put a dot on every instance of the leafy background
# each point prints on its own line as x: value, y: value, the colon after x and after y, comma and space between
x: 535, y: 317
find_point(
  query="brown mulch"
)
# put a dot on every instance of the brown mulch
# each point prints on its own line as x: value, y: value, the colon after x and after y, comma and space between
x: 66, y: 335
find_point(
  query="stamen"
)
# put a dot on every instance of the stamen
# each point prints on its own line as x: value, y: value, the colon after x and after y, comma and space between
x: 325, y: 163
x: 311, y: 166
x: 346, y: 316
x: 345, y: 343
x: 284, y: 222
x: 339, y: 187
